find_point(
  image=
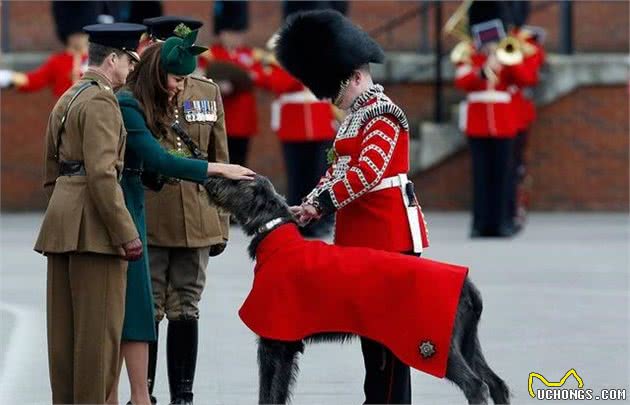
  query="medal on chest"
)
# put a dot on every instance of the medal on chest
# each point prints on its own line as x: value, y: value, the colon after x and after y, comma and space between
x: 200, y: 111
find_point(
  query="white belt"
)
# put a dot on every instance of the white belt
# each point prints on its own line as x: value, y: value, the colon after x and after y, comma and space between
x: 303, y: 96
x: 296, y: 97
x: 413, y: 211
x: 391, y: 182
x: 489, y: 96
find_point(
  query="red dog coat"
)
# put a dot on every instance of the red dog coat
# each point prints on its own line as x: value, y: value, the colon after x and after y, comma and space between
x: 306, y: 287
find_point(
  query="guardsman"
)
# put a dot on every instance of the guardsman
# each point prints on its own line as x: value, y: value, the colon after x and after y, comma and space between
x: 490, y: 117
x: 366, y: 185
x: 61, y: 69
x: 87, y: 232
x: 183, y: 228
x: 233, y: 66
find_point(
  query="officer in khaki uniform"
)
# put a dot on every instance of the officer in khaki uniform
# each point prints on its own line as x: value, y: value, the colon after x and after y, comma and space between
x: 183, y: 229
x: 87, y: 232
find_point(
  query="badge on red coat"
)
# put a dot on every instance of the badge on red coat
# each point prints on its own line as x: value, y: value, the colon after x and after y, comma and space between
x: 427, y: 349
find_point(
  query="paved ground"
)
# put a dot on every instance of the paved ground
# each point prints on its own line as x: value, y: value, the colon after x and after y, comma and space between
x: 555, y: 298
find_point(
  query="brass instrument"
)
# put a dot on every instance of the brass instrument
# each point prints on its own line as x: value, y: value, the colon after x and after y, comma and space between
x: 457, y: 26
x: 509, y: 52
x: 461, y: 53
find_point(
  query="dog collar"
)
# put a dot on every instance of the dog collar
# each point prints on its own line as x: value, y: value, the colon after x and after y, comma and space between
x: 268, y: 226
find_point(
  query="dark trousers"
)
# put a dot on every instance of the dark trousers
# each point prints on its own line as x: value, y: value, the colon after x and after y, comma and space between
x: 518, y: 169
x: 306, y: 163
x: 492, y: 170
x: 387, y: 379
x: 237, y: 147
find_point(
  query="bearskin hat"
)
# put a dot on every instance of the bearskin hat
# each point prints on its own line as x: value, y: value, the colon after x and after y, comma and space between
x: 519, y: 12
x: 71, y: 16
x: 322, y: 48
x: 482, y: 11
x: 291, y: 6
x: 230, y: 16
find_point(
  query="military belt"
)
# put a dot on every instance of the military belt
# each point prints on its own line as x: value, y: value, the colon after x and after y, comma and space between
x: 72, y: 168
x: 76, y: 168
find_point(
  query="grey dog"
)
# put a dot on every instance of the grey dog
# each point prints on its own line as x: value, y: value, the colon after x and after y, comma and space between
x: 255, y: 204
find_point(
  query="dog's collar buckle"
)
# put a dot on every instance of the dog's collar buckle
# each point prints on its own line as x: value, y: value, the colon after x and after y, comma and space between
x: 270, y: 225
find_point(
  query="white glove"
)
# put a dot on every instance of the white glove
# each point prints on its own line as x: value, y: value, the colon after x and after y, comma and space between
x: 6, y: 78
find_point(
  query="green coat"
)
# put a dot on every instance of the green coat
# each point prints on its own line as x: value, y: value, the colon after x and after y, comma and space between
x: 145, y: 152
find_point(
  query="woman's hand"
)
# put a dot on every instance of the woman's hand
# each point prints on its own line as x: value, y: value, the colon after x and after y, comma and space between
x: 233, y: 172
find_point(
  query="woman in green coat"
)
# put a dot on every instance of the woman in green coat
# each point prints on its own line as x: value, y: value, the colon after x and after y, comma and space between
x: 146, y: 108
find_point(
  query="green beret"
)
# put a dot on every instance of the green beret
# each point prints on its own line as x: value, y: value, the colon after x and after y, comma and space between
x: 179, y: 55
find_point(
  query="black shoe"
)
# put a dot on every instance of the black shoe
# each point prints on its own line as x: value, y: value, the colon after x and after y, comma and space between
x: 151, y: 398
x: 181, y: 358
x: 506, y: 231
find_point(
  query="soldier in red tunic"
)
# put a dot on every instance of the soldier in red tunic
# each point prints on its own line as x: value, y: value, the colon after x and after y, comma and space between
x: 491, y: 119
x: 234, y: 67
x: 63, y: 68
x: 367, y: 185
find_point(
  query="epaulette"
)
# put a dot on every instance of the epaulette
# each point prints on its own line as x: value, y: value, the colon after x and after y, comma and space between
x: 384, y: 106
x: 202, y: 78
x: 102, y: 86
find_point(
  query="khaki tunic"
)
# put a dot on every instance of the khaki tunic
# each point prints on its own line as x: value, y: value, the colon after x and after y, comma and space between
x: 86, y: 213
x: 180, y: 215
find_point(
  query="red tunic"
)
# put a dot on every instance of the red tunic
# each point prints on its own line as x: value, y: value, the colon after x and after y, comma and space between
x: 533, y: 62
x: 372, y: 144
x: 297, y: 115
x: 305, y: 287
x: 241, y: 119
x: 59, y: 72
x: 490, y: 109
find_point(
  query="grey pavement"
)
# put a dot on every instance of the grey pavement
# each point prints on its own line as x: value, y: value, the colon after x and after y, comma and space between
x: 555, y: 298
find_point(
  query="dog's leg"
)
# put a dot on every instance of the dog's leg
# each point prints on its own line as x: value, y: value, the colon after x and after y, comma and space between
x: 267, y: 360
x: 499, y: 390
x: 277, y: 365
x: 286, y: 370
x: 458, y: 371
x: 470, y: 314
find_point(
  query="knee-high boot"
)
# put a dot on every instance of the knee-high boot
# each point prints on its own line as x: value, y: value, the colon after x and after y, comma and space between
x: 181, y: 358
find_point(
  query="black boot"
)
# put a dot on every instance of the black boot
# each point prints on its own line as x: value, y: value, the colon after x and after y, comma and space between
x: 153, y: 350
x: 181, y: 359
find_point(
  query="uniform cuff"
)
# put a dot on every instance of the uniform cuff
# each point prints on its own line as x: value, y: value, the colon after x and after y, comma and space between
x: 325, y: 204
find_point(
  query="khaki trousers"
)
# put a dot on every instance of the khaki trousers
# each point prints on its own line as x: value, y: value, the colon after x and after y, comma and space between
x: 178, y: 276
x: 85, y: 312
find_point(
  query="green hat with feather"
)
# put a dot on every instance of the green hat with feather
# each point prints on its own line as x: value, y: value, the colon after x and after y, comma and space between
x: 179, y: 53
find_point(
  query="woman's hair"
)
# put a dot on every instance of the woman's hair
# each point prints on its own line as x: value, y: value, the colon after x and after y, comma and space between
x: 148, y: 84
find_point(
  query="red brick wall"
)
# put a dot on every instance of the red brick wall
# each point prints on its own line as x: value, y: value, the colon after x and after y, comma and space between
x: 599, y: 26
x: 578, y: 151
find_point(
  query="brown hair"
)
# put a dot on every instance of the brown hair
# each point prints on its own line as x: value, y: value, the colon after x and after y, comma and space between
x: 148, y: 84
x: 97, y: 53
